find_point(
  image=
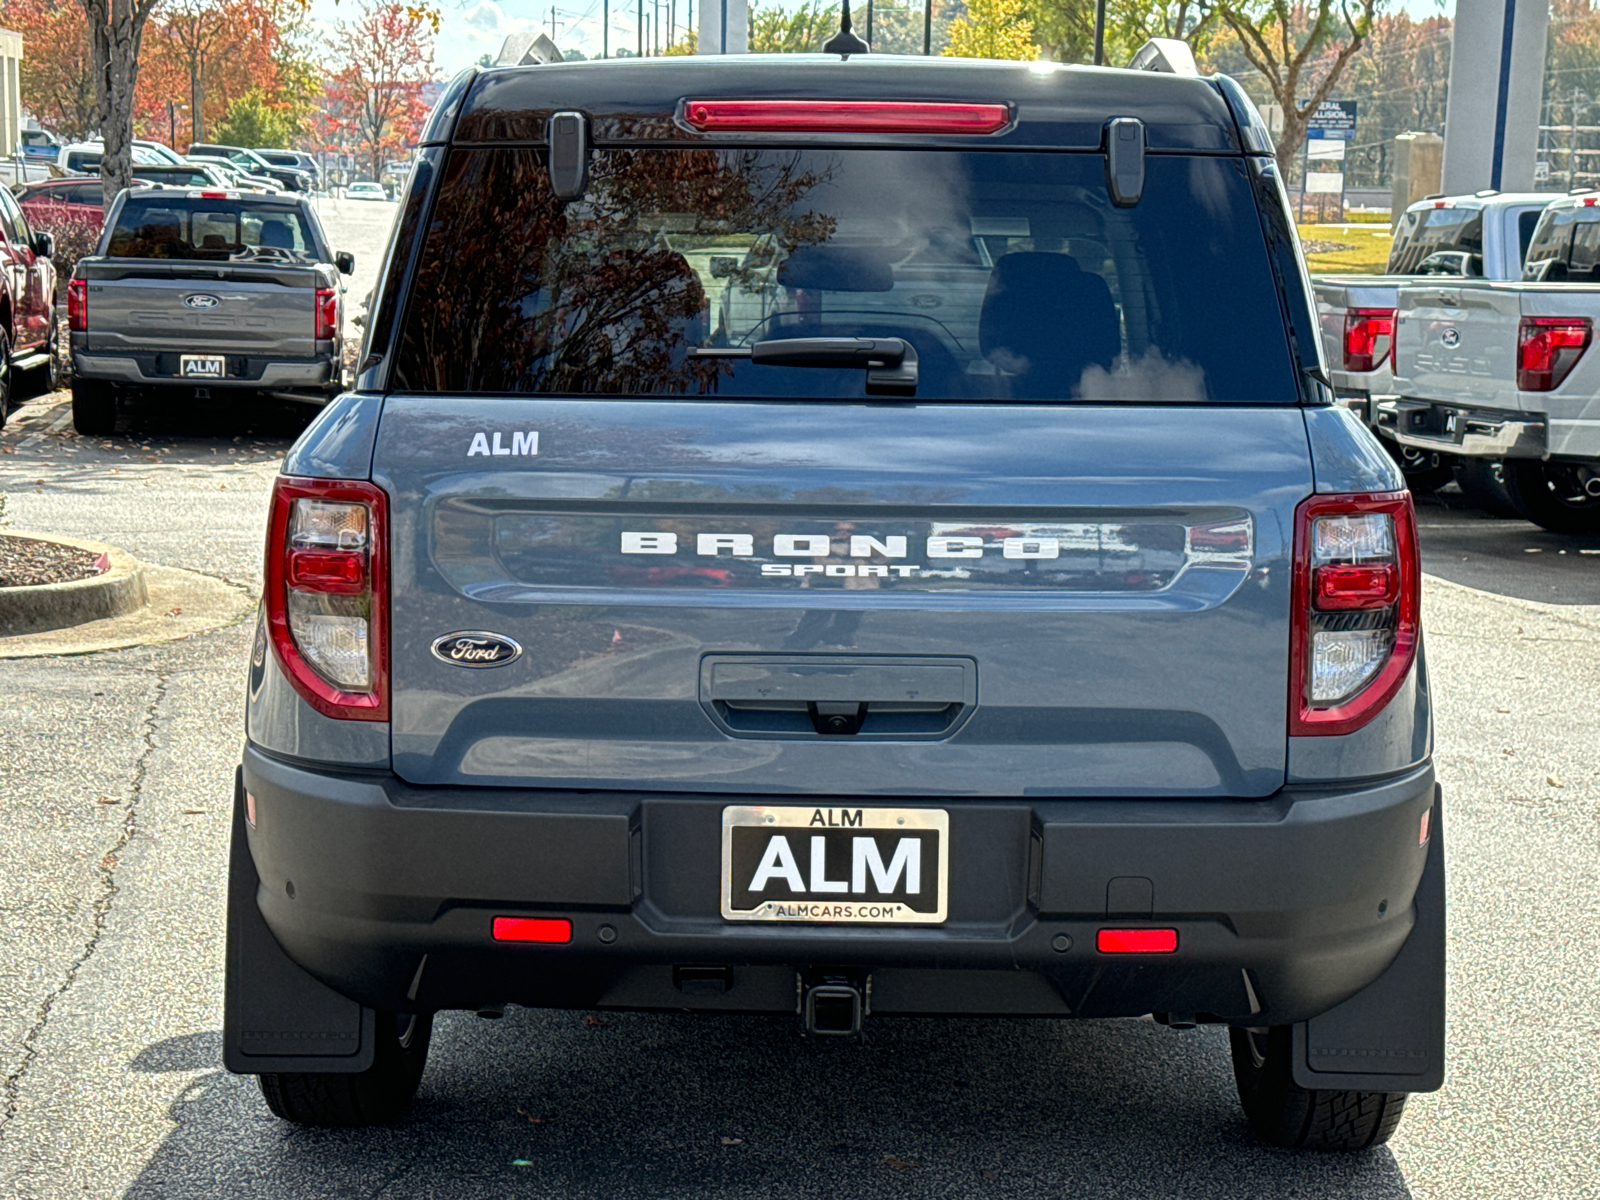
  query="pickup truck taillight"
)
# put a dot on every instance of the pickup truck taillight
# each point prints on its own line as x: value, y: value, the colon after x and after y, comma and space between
x: 327, y: 314
x: 78, y: 305
x: 1548, y: 348
x: 1356, y: 609
x: 327, y: 596
x: 1368, y: 337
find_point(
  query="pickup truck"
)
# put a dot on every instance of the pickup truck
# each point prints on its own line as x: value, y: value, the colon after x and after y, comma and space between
x: 1483, y: 235
x: 1501, y: 371
x: 27, y: 307
x: 212, y: 293
x: 846, y: 655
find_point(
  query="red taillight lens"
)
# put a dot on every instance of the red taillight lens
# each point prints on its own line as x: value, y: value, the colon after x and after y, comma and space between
x: 1356, y: 605
x: 327, y: 597
x: 327, y: 314
x: 1136, y: 941
x: 1368, y: 338
x: 843, y: 116
x: 1548, y: 348
x: 78, y: 305
x: 549, y: 930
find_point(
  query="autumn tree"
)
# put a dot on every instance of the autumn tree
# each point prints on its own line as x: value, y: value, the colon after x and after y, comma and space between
x: 1064, y: 29
x: 57, y: 79
x: 992, y: 29
x: 1300, y: 51
x: 194, y: 27
x: 253, y: 120
x: 386, y: 56
x: 116, y: 31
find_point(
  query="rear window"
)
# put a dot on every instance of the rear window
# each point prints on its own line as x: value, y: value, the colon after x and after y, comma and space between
x: 176, y: 176
x: 157, y: 227
x: 1011, y: 275
x: 1435, y: 230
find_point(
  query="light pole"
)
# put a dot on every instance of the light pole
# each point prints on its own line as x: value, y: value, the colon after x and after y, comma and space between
x: 927, y: 27
x: 1099, y: 33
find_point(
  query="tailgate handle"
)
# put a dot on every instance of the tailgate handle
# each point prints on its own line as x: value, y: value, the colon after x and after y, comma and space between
x: 811, y: 695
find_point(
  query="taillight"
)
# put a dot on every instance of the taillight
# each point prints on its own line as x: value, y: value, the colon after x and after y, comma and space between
x: 1548, y: 348
x: 1368, y: 337
x: 844, y: 116
x: 328, y: 594
x: 327, y: 314
x: 78, y: 305
x: 1356, y: 609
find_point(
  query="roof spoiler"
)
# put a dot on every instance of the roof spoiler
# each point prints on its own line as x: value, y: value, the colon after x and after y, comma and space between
x: 1167, y: 55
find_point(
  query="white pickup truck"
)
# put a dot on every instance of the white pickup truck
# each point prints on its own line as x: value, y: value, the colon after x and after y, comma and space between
x: 1489, y: 371
x: 1480, y: 236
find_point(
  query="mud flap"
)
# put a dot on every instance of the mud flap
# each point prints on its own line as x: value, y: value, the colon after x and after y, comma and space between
x: 1389, y: 1037
x: 276, y: 1017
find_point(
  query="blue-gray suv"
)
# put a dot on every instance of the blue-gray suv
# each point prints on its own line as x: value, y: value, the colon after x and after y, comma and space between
x: 852, y: 537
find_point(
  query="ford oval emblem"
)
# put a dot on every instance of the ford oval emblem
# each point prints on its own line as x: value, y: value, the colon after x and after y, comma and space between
x: 475, y: 648
x: 1451, y: 337
x: 200, y: 300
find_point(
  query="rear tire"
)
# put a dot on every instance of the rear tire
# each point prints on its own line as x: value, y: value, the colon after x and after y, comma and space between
x: 1426, y: 471
x: 94, y: 407
x: 1554, y: 495
x: 7, y: 376
x: 380, y: 1095
x: 1482, y: 482
x: 1284, y: 1114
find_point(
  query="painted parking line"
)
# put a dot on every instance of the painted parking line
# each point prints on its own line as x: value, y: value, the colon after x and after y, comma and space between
x: 55, y: 426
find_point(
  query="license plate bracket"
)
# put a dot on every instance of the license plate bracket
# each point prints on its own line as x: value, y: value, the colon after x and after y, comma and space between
x: 202, y: 366
x: 839, y: 864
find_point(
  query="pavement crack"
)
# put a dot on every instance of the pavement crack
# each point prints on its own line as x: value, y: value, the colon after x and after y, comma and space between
x: 11, y: 1089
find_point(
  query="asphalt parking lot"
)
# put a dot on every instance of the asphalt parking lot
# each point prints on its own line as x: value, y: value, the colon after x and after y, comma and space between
x: 115, y: 777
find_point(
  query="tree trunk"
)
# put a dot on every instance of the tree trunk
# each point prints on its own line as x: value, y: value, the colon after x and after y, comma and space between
x: 116, y: 28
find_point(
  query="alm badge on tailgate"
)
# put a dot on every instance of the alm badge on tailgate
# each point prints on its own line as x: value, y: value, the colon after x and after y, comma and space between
x: 878, y: 866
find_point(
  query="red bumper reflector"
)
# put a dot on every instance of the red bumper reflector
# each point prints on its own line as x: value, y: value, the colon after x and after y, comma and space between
x: 1427, y: 821
x: 844, y: 116
x: 250, y: 810
x: 1136, y: 941
x: 532, y: 929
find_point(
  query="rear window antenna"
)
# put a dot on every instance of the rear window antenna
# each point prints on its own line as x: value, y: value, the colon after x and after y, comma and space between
x: 845, y: 43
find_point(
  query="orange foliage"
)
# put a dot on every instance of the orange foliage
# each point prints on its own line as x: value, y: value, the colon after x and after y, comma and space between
x: 57, y: 85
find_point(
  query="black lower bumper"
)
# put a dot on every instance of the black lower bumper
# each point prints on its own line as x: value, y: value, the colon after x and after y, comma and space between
x: 1284, y: 906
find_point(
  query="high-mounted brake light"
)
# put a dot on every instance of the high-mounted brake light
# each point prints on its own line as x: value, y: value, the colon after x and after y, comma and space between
x: 1355, y: 609
x: 844, y: 116
x: 216, y: 195
x: 327, y: 596
x: 1548, y: 348
x: 1136, y: 941
x: 1368, y: 338
x: 327, y: 314
x: 78, y: 305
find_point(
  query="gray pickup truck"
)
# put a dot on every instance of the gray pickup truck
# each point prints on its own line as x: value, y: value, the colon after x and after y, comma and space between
x: 216, y: 293
x: 870, y: 645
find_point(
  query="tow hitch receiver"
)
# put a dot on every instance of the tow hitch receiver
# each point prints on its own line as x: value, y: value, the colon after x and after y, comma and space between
x: 833, y: 1007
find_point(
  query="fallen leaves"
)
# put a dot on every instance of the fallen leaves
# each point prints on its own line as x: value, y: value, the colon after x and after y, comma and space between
x: 532, y: 1118
x: 594, y: 1022
x: 898, y: 1164
x: 727, y: 1141
x: 1554, y: 781
x: 193, y: 812
x: 107, y: 800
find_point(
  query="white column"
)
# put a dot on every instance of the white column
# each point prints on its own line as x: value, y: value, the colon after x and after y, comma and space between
x: 1496, y: 83
x: 724, y: 27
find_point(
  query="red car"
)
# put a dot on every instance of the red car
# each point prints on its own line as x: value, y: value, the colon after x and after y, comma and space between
x: 51, y: 201
x: 27, y: 315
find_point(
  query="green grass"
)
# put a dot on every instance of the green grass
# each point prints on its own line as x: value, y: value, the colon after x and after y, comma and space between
x: 1363, y: 252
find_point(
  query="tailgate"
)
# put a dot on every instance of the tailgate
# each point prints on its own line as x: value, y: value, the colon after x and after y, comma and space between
x: 1042, y: 600
x: 164, y: 307
x: 1458, y: 342
x: 1336, y: 297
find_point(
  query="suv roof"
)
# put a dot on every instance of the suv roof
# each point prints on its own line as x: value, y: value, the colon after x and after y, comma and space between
x: 1054, y: 106
x: 1479, y: 200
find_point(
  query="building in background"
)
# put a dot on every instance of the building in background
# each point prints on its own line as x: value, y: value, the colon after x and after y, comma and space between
x: 10, y: 93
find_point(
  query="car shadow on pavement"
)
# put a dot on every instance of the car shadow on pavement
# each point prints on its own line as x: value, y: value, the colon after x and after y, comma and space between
x: 630, y: 1104
x: 1505, y: 555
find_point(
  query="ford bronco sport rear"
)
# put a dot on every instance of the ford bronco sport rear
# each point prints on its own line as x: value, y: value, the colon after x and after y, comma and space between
x: 799, y: 547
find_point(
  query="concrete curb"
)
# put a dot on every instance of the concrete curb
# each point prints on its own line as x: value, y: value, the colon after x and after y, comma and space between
x: 114, y: 593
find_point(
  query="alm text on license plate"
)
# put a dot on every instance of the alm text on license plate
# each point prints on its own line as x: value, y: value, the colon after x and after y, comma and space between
x: 841, y: 864
x: 202, y: 366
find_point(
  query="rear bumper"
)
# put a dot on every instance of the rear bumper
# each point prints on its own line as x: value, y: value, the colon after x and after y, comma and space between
x: 1456, y: 429
x: 244, y: 371
x: 1284, y: 907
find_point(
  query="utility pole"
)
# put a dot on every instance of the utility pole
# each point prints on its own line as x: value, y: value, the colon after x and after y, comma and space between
x: 869, y: 22
x: 553, y: 22
x: 1099, y: 33
x: 641, y: 28
x: 927, y: 27
x: 605, y: 28
x: 1572, y: 143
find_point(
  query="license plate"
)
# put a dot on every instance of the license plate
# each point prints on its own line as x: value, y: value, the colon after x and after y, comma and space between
x: 873, y: 866
x: 202, y: 366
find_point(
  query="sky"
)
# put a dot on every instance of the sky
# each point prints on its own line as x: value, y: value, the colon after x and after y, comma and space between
x: 470, y: 29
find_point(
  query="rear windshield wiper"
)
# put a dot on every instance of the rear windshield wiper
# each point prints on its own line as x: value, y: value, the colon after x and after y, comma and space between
x: 890, y: 363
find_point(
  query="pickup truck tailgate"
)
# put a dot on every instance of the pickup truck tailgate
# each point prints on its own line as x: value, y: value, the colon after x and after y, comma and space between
x: 1041, y: 600
x: 195, y: 308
